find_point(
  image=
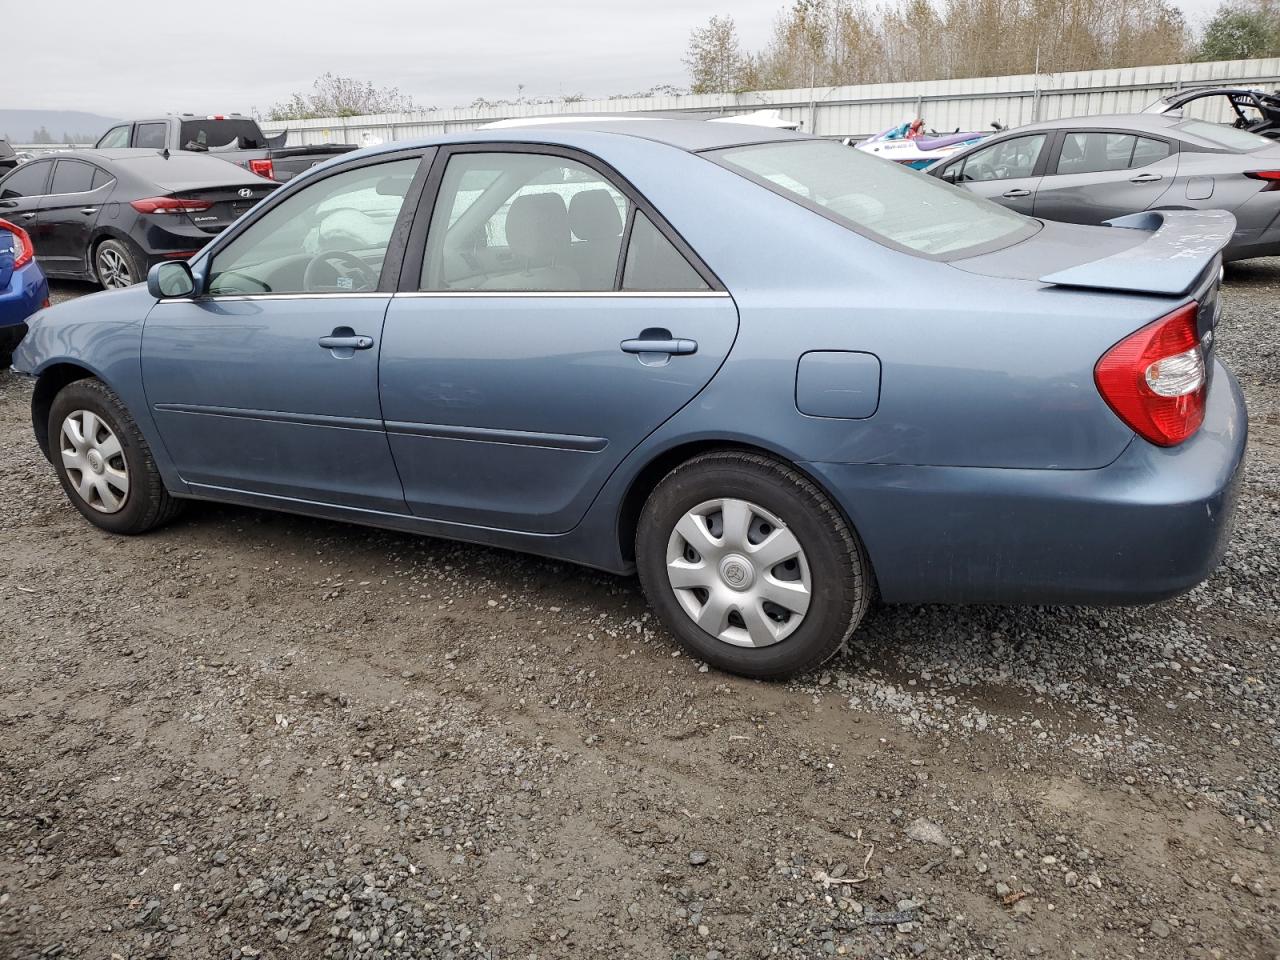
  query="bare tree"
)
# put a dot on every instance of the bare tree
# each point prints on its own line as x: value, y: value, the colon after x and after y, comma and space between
x: 334, y: 96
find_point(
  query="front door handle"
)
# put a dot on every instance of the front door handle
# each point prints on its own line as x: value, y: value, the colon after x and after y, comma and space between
x: 670, y: 346
x: 350, y: 342
x: 27, y: 216
x: 1146, y: 178
x: 1016, y: 192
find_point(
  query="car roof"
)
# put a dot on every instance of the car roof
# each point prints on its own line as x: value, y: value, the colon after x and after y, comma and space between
x: 179, y: 167
x: 1147, y: 122
x: 691, y: 135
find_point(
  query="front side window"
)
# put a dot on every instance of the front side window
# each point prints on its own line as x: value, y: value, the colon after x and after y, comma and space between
x: 150, y: 135
x: 27, y: 181
x: 115, y: 137
x: 329, y: 237
x: 877, y: 198
x: 72, y: 176
x: 523, y: 222
x: 1002, y: 161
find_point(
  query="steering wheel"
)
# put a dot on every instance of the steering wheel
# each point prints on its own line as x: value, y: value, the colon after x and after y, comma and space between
x: 345, y: 272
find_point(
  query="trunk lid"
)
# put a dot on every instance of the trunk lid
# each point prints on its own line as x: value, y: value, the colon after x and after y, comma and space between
x: 228, y: 204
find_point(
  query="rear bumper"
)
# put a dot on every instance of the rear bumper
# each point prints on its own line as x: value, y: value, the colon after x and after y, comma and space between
x: 1149, y: 526
x: 24, y: 294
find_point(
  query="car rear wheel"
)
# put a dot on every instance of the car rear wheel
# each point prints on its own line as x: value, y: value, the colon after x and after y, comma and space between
x: 104, y: 463
x: 115, y: 265
x: 750, y: 565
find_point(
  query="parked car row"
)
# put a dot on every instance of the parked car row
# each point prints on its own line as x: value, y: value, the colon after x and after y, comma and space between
x: 109, y: 215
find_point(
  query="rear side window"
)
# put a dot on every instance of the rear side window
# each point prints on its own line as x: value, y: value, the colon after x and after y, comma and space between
x: 100, y: 178
x: 72, y: 176
x: 115, y: 137
x: 654, y: 264
x: 26, y: 181
x: 1228, y: 137
x: 150, y: 135
x: 880, y: 199
x: 1098, y: 152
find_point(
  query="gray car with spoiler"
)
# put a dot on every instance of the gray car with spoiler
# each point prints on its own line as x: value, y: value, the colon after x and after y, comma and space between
x: 772, y: 375
x: 1093, y: 169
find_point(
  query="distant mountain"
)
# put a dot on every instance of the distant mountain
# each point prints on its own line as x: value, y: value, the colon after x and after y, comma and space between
x: 22, y: 126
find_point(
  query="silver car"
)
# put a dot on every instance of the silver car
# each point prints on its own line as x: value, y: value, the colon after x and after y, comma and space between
x: 1094, y: 169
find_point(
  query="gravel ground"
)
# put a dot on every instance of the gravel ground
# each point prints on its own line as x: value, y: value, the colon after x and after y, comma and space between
x: 257, y: 735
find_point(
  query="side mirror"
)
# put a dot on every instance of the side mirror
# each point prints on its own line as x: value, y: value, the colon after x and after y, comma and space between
x: 171, y: 279
x: 951, y: 174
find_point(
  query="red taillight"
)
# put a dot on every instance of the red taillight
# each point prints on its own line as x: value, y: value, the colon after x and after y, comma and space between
x: 170, y: 205
x: 263, y: 168
x: 23, y: 251
x: 1155, y: 379
x: 1270, y: 177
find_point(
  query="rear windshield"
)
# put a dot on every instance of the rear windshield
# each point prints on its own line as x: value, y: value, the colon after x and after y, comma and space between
x: 206, y: 134
x: 881, y: 199
x: 1225, y: 136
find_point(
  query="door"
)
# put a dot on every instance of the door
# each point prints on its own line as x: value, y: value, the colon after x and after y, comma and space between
x: 67, y: 214
x: 20, y: 194
x: 268, y: 382
x: 1101, y: 174
x: 555, y: 321
x: 1008, y: 171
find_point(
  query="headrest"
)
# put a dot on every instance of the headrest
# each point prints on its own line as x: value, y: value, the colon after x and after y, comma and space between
x: 594, y: 215
x: 538, y: 229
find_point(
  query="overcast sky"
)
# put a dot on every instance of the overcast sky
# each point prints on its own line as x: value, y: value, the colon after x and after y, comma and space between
x: 149, y: 56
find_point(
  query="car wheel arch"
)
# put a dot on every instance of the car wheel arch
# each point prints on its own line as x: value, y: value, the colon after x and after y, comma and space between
x: 659, y: 465
x: 49, y: 383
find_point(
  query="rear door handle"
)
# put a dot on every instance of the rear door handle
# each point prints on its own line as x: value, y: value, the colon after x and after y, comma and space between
x: 346, y: 343
x: 88, y: 210
x: 27, y: 216
x: 1016, y: 192
x: 669, y: 346
x: 1146, y: 178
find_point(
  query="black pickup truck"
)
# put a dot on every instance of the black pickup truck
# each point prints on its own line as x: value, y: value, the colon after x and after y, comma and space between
x: 231, y: 136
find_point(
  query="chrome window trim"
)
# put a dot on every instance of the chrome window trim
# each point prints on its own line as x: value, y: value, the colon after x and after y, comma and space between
x: 222, y: 298
x: 554, y: 294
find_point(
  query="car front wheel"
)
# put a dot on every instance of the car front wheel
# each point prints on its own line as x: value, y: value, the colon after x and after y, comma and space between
x: 103, y: 461
x: 750, y: 565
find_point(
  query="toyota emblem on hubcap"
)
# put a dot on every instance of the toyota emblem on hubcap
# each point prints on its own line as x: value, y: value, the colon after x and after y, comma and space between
x: 737, y: 572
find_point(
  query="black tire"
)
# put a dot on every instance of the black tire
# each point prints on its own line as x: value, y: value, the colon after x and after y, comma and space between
x: 840, y: 574
x: 146, y: 505
x: 110, y: 257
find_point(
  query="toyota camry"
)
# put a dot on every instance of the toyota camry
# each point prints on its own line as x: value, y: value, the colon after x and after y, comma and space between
x: 774, y: 376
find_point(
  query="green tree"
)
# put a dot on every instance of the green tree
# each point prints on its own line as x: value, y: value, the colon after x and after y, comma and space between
x: 714, y: 58
x: 1241, y: 32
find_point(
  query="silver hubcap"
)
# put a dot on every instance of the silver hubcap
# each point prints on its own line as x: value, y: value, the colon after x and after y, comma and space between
x: 739, y: 573
x: 113, y: 270
x: 94, y: 461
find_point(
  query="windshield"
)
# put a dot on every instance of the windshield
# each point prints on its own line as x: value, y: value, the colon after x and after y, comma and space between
x: 209, y: 134
x: 1225, y: 136
x: 878, y: 198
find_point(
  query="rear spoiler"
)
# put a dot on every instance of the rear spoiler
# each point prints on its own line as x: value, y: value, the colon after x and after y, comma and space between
x: 1183, y: 243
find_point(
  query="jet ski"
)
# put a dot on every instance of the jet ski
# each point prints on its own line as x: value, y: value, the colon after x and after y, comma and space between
x: 909, y: 144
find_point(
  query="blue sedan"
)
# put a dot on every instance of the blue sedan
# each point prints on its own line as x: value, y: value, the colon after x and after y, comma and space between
x: 23, y: 288
x: 772, y: 375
